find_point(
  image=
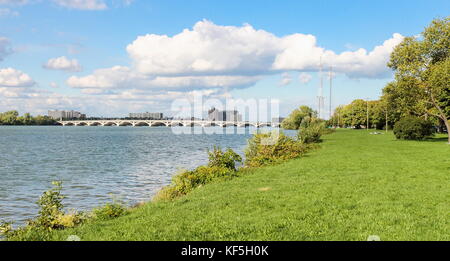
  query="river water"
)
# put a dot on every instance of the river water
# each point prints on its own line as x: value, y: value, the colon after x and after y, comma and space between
x: 97, y: 164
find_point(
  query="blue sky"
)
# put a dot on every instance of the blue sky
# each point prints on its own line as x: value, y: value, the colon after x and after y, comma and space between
x: 52, y: 50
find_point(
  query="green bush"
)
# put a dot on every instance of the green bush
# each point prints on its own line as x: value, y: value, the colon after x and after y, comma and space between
x: 310, y: 131
x: 188, y: 180
x: 51, y: 216
x: 51, y: 207
x: 413, y: 128
x: 221, y: 165
x: 108, y: 211
x: 227, y: 159
x: 270, y: 148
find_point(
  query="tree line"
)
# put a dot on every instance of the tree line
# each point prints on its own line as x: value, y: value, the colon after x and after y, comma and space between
x: 13, y: 118
x: 421, y: 86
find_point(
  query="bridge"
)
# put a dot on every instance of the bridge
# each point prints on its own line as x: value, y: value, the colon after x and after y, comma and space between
x: 167, y: 123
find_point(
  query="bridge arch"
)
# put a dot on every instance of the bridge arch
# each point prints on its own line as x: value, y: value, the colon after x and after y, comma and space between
x: 176, y: 124
x: 95, y: 124
x: 110, y: 123
x: 159, y: 124
x: 142, y: 123
x: 229, y: 124
x: 126, y: 123
x: 264, y: 125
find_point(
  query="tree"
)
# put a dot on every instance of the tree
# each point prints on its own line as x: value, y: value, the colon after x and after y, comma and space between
x: 9, y: 118
x: 337, y: 119
x: 355, y: 113
x: 296, y: 117
x: 44, y: 120
x: 422, y: 71
x: 377, y: 114
x: 26, y: 119
x: 13, y: 118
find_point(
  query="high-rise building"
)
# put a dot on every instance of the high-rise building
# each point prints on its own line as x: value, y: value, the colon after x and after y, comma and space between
x: 147, y: 115
x: 58, y: 115
x: 216, y: 115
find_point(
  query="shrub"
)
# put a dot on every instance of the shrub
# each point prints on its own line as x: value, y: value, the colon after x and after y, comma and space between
x: 221, y: 166
x: 51, y: 216
x: 202, y: 175
x: 310, y: 131
x: 167, y: 193
x: 188, y: 180
x: 110, y: 210
x: 413, y: 128
x: 227, y: 159
x: 51, y: 207
x: 271, y: 148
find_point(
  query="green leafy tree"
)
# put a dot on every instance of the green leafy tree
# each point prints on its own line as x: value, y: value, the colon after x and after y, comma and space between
x: 296, y: 117
x: 355, y: 113
x: 421, y: 66
x: 377, y: 114
x: 9, y: 118
x: 43, y: 120
x: 337, y: 117
x: 26, y: 119
x: 13, y: 118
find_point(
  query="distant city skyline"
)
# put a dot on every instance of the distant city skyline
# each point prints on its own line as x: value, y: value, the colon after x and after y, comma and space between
x: 112, y: 57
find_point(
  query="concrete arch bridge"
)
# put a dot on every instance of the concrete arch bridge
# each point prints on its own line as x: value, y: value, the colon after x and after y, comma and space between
x: 167, y: 123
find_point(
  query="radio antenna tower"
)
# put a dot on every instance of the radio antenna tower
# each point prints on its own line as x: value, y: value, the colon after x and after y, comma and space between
x: 320, y: 97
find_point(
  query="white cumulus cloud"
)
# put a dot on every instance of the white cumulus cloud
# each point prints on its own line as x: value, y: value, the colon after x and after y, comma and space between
x: 213, y: 49
x: 221, y: 58
x: 62, y: 63
x: 10, y: 77
x: 207, y: 49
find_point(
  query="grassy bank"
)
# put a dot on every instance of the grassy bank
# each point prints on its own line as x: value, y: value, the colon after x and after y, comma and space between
x: 354, y: 186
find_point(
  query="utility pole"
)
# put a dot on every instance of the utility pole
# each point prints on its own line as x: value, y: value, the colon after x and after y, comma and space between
x: 320, y: 96
x: 320, y: 88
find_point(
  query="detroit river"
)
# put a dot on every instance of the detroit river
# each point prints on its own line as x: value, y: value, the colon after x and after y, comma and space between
x: 97, y: 164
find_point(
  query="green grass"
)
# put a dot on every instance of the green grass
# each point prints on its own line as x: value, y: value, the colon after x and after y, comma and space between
x: 354, y: 186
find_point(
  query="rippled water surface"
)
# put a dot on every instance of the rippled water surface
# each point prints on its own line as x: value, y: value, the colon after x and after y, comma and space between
x: 94, y: 163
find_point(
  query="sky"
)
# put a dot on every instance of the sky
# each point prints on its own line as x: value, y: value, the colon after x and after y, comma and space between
x: 111, y: 57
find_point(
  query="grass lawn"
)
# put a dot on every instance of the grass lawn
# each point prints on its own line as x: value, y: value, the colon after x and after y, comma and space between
x: 354, y: 186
